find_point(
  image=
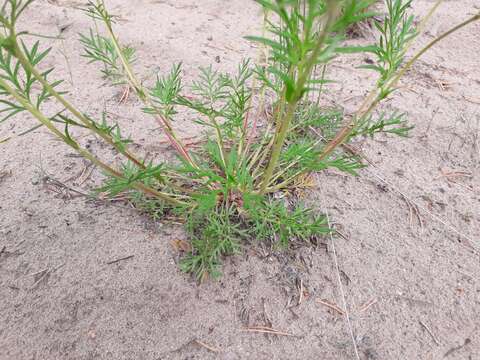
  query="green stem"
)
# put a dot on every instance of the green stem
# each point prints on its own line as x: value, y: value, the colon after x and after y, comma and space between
x: 261, y: 154
x: 18, y: 53
x: 220, y: 143
x: 68, y: 106
x: 84, y: 153
x: 281, y: 132
x: 284, y: 183
x: 371, y: 102
x: 347, y: 130
x: 409, y: 64
x: 247, y: 136
x: 143, y: 95
x: 277, y: 145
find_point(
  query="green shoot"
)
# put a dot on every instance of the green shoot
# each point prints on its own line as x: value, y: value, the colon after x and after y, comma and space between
x: 101, y: 49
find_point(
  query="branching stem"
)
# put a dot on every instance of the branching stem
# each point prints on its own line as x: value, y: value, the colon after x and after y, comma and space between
x: 163, y: 121
x: 18, y: 53
x: 84, y: 153
x: 304, y: 71
x: 374, y: 98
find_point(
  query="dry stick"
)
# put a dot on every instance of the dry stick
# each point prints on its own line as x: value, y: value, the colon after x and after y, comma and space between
x: 331, y: 306
x: 120, y: 259
x: 206, y: 346
x: 37, y: 273
x: 412, y: 209
x: 124, y: 97
x: 324, y: 70
x: 266, y: 330
x: 345, y: 305
x: 48, y: 180
x: 367, y: 305
x: 266, y: 318
x: 46, y: 272
x: 471, y: 100
x: 88, y: 170
x: 42, y: 277
x: 453, y: 349
x: 252, y: 133
x: 300, y: 297
x: 342, y: 293
x: 429, y: 332
x: 64, y: 53
x: 260, y: 155
x: 405, y: 197
x: 435, y: 217
x: 421, y: 26
x: 54, y: 182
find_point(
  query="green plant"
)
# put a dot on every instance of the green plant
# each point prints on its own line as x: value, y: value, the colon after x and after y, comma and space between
x: 102, y: 50
x: 225, y: 191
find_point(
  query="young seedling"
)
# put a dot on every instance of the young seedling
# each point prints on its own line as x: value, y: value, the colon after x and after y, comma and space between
x: 235, y: 188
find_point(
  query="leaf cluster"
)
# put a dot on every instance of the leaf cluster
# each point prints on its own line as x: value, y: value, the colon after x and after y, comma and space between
x: 99, y: 49
x: 22, y: 80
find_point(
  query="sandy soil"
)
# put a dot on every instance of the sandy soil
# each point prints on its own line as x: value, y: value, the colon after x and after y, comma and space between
x: 408, y: 262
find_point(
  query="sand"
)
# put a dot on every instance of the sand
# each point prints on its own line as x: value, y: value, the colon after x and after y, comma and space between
x: 407, y: 266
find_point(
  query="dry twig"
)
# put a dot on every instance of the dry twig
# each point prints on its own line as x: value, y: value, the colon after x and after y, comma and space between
x: 342, y: 292
x: 266, y: 330
x: 300, y: 296
x: 331, y: 306
x: 206, y: 346
x: 429, y: 332
x: 367, y: 305
x: 121, y: 259
x: 44, y: 274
